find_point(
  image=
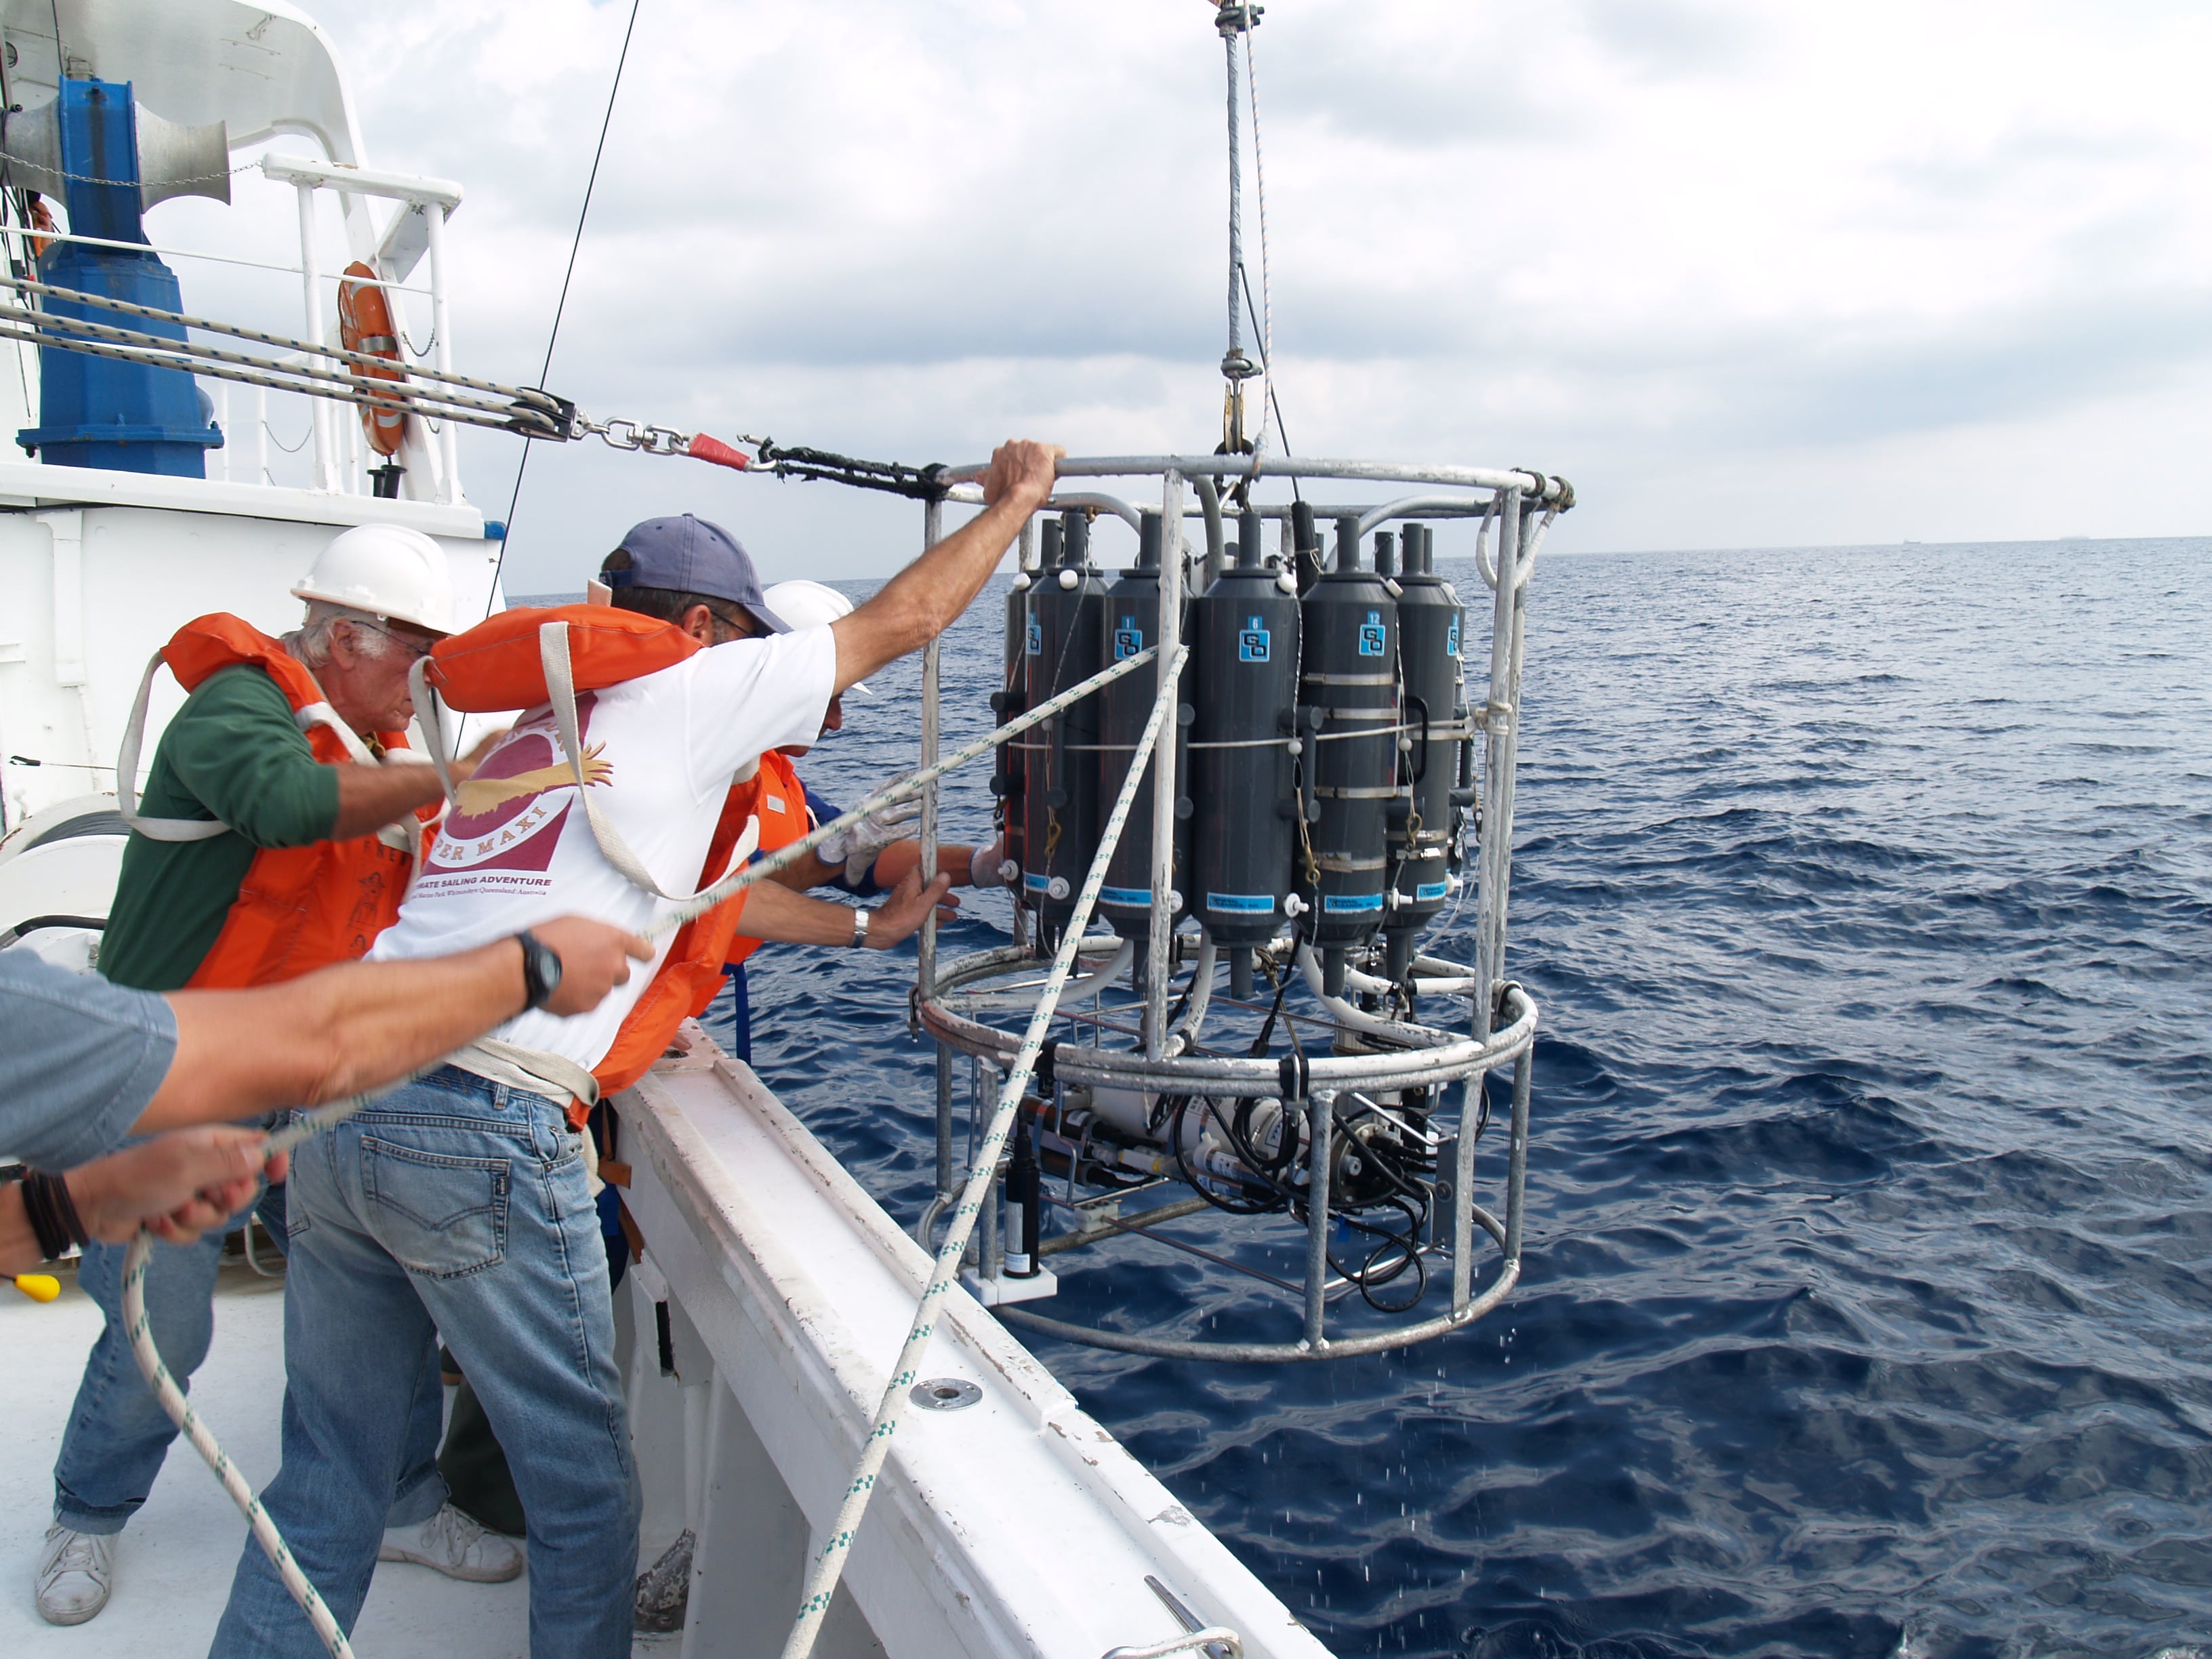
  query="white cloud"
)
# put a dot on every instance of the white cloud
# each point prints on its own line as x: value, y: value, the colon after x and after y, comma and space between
x: 1746, y: 273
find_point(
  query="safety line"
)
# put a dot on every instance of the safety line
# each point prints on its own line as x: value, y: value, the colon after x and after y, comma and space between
x: 875, y: 1446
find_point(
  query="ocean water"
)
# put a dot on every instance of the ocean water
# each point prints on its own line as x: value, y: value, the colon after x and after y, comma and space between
x: 1868, y: 895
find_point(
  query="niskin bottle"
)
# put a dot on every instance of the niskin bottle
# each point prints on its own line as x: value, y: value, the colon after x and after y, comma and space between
x: 1065, y: 641
x: 1348, y: 707
x: 1006, y: 703
x: 1132, y: 618
x: 1244, y: 633
x: 1431, y: 626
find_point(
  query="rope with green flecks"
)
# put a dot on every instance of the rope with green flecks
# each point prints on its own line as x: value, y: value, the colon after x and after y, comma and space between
x: 829, y: 1566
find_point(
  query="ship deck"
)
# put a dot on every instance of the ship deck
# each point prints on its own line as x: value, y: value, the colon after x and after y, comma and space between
x: 174, y: 1562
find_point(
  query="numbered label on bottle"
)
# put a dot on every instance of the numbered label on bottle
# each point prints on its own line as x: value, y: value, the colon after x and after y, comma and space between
x: 1373, y: 635
x: 1253, y: 643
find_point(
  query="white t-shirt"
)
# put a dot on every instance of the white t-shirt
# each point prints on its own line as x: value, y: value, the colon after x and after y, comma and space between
x: 517, y: 850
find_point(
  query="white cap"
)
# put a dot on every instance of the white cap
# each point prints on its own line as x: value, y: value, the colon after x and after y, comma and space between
x: 394, y: 574
x: 804, y: 604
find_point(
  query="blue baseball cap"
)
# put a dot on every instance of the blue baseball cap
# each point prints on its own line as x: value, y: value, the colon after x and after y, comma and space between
x: 692, y: 554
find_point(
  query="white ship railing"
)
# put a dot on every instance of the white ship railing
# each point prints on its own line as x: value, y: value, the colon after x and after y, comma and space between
x: 337, y: 460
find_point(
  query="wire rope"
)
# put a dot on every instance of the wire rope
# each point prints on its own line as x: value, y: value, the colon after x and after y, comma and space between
x: 1260, y: 202
x: 559, y: 305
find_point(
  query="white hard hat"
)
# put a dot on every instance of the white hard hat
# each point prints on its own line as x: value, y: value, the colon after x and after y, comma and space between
x: 804, y: 604
x: 396, y: 574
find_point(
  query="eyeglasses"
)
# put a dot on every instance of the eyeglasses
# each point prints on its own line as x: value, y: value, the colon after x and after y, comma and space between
x: 415, y: 645
x: 740, y: 624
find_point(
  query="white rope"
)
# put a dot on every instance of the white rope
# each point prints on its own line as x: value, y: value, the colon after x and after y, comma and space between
x: 875, y: 1446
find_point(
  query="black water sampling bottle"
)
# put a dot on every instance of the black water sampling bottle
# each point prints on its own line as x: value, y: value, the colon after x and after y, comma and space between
x: 1422, y: 820
x: 1025, y: 1199
x: 1348, y: 716
x: 1244, y: 636
x: 1132, y: 618
x: 1006, y: 703
x: 1064, y: 643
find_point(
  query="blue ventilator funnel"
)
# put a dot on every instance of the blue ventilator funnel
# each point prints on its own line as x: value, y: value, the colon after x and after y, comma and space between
x: 98, y: 411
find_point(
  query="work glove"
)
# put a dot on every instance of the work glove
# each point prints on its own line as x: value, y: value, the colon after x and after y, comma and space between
x: 856, y: 847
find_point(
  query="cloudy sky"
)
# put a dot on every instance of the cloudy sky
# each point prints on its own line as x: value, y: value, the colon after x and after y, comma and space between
x: 1750, y: 274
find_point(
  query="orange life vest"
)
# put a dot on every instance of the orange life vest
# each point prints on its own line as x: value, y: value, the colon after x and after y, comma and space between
x: 783, y: 820
x: 298, y: 908
x: 692, y: 972
x: 497, y: 665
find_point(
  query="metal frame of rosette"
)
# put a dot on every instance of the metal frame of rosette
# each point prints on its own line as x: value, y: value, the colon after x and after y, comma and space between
x: 1371, y: 1053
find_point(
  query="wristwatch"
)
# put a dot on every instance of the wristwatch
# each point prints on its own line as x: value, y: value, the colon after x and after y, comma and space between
x: 541, y: 970
x: 860, y: 928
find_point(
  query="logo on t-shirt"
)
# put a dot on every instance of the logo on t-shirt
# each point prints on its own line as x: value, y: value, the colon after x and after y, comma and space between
x: 506, y: 819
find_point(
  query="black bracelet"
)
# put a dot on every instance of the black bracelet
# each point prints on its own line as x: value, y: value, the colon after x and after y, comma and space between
x: 52, y: 1215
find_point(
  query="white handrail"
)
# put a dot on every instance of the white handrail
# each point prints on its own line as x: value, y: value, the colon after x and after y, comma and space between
x: 363, y: 181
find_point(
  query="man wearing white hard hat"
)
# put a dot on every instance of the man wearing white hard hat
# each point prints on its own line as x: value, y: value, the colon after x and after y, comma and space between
x: 275, y: 836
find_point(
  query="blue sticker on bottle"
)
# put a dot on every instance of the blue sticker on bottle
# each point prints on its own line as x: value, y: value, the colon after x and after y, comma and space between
x: 1248, y: 904
x: 1125, y: 895
x: 1338, y: 904
x: 1128, y: 639
x: 1451, y: 638
x: 1430, y: 890
x: 1253, y: 643
x: 1373, y: 635
x: 1035, y: 883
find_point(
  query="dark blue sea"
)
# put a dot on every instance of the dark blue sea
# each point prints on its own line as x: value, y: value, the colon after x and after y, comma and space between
x: 1868, y: 895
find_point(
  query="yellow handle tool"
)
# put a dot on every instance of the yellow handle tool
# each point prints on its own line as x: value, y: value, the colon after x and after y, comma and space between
x: 40, y: 1287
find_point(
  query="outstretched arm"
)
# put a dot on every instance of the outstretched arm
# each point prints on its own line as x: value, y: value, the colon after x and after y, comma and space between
x: 928, y: 596
x: 360, y: 1025
x: 772, y: 912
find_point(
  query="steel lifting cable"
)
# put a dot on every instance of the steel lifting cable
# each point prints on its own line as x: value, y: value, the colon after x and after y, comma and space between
x: 310, y: 1123
x: 1260, y: 202
x: 945, y: 1270
x: 532, y: 395
x: 560, y: 306
x: 130, y: 345
x: 434, y: 394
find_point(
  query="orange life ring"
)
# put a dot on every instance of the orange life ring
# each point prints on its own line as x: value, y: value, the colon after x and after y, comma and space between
x: 365, y: 325
x: 41, y: 219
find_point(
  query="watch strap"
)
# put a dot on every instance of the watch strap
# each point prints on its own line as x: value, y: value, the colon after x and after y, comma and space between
x: 861, y: 927
x: 52, y: 1215
x: 541, y: 970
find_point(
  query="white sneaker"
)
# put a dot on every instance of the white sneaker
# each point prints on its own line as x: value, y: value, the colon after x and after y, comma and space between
x: 76, y: 1570
x: 452, y: 1543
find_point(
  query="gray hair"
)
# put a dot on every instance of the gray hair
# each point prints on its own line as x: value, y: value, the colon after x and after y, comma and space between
x: 310, y: 642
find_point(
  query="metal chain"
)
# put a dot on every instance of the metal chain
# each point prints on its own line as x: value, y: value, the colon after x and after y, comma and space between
x: 621, y: 433
x: 86, y: 179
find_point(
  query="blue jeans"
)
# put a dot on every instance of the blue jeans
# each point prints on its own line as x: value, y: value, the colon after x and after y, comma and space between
x: 460, y: 1205
x: 118, y: 1433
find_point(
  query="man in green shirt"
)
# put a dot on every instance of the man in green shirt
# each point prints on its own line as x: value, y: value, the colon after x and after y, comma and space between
x: 276, y: 836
